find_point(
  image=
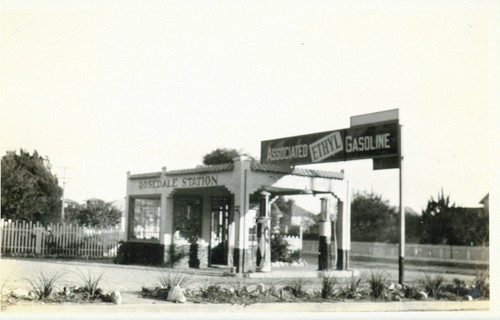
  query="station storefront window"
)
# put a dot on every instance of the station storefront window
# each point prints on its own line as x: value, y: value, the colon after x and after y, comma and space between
x: 146, y: 221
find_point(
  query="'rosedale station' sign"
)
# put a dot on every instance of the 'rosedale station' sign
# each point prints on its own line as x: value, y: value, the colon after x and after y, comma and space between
x: 379, y: 141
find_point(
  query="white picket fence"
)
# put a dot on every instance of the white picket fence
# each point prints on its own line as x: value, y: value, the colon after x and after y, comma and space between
x: 22, y: 237
x: 415, y: 251
x: 294, y: 242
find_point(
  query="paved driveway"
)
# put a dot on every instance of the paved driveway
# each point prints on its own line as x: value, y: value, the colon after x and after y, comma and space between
x: 133, y: 278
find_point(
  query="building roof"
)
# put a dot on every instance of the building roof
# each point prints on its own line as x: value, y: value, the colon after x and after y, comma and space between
x: 273, y: 168
x: 255, y: 166
x: 203, y: 169
x: 485, y: 199
x: 197, y: 170
x: 94, y: 200
x: 298, y: 211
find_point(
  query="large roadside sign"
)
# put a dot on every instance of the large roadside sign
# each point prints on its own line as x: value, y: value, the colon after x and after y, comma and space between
x: 378, y: 141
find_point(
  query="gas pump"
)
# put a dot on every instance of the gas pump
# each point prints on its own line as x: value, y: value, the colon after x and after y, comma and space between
x: 263, y: 262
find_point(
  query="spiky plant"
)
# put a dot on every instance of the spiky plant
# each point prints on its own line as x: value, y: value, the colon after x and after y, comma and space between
x: 328, y: 285
x: 433, y: 285
x: 296, y: 287
x: 43, y: 285
x: 378, y: 284
x: 169, y: 280
x: 89, y: 281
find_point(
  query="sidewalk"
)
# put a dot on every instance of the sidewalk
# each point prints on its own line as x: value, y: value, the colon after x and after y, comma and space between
x: 166, y: 307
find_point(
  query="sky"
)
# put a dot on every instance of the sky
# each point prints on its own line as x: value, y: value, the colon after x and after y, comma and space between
x: 107, y: 87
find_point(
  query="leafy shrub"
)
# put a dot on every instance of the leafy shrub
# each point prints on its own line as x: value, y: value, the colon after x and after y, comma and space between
x: 193, y: 262
x: 411, y: 291
x: 211, y: 291
x: 295, y: 255
x: 140, y: 253
x: 482, y: 284
x: 279, y: 249
x: 155, y: 293
x: 55, y: 245
x: 175, y: 254
x: 296, y: 287
x: 43, y: 286
x: 354, y: 289
x: 214, y: 293
x: 378, y: 284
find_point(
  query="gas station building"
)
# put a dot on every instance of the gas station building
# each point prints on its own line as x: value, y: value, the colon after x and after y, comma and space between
x: 225, y: 203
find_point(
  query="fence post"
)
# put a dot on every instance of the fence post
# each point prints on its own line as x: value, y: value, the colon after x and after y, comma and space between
x: 38, y: 238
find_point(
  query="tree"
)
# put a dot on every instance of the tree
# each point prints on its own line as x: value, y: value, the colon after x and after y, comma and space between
x: 436, y: 221
x: 413, y: 226
x: 444, y: 223
x: 223, y: 155
x: 98, y: 214
x: 29, y: 189
x: 373, y: 219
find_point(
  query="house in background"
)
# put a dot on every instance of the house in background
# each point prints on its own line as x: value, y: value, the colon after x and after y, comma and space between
x: 71, y: 204
x: 297, y: 217
x: 93, y: 202
x: 486, y: 203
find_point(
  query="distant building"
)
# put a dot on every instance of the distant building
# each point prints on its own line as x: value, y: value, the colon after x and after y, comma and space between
x: 486, y: 202
x: 71, y: 204
x: 94, y: 202
x: 298, y: 216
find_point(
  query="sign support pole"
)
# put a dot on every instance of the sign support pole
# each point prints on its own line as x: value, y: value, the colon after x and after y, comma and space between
x: 401, y: 211
x: 325, y: 234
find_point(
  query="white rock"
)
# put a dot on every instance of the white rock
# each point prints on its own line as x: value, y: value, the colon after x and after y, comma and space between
x: 176, y: 295
x: 422, y: 295
x: 468, y: 298
x: 116, y: 297
x: 251, y: 288
x: 391, y: 286
x: 20, y: 293
x: 261, y: 287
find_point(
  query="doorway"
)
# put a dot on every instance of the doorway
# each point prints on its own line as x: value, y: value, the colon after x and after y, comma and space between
x: 219, y: 242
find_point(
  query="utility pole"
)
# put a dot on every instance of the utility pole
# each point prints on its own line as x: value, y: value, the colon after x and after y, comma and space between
x: 63, y: 179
